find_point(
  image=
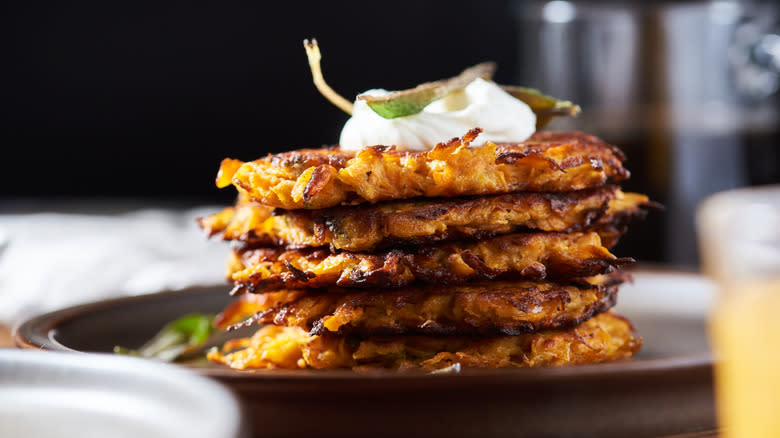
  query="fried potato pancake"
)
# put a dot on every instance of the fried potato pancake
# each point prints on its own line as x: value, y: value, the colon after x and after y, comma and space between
x: 604, y: 337
x: 408, y: 223
x: 482, y: 308
x: 535, y: 256
x: 321, y: 178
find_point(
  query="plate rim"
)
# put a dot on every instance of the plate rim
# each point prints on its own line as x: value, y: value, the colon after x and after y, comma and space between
x: 38, y: 333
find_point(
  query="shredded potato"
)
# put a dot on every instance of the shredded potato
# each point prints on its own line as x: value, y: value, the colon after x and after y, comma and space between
x: 407, y: 223
x: 321, y: 178
x: 604, y: 337
x: 535, y: 256
x: 498, y: 307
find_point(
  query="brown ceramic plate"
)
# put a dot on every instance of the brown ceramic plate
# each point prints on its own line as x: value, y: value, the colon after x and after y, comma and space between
x: 666, y: 389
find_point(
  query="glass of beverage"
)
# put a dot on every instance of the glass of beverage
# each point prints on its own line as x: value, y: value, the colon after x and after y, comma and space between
x: 739, y: 236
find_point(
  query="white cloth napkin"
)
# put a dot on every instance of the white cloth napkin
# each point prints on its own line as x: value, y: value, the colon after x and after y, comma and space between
x: 57, y: 260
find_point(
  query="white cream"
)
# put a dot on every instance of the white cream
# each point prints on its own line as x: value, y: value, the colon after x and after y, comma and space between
x: 482, y: 104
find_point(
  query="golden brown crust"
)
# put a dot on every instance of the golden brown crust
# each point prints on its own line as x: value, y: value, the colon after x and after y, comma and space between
x: 602, y: 338
x: 408, y: 223
x: 484, y: 308
x: 535, y: 256
x: 321, y: 178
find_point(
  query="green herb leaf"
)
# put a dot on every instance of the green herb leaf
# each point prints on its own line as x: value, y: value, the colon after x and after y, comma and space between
x: 545, y: 107
x: 409, y: 102
x: 178, y: 338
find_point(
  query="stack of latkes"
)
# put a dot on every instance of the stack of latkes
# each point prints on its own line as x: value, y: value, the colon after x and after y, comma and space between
x: 487, y: 256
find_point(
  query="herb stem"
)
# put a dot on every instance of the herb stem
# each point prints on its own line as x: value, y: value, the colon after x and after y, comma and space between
x: 314, y: 55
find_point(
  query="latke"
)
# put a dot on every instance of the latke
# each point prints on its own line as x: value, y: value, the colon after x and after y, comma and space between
x: 604, y: 337
x: 480, y: 308
x: 320, y: 178
x: 533, y: 256
x: 416, y: 223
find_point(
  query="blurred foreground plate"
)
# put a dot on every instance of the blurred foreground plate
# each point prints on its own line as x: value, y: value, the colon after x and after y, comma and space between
x: 666, y: 389
x: 77, y: 395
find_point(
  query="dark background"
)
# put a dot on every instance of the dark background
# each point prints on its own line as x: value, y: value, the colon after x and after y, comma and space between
x: 136, y: 100
x: 115, y: 105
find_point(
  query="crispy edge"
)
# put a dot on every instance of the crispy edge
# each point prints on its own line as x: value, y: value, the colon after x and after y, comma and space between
x: 536, y: 256
x: 456, y: 310
x: 605, y: 337
x: 315, y: 179
x: 405, y: 223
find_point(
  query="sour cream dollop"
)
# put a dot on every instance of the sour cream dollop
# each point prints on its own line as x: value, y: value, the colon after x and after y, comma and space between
x: 482, y: 104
